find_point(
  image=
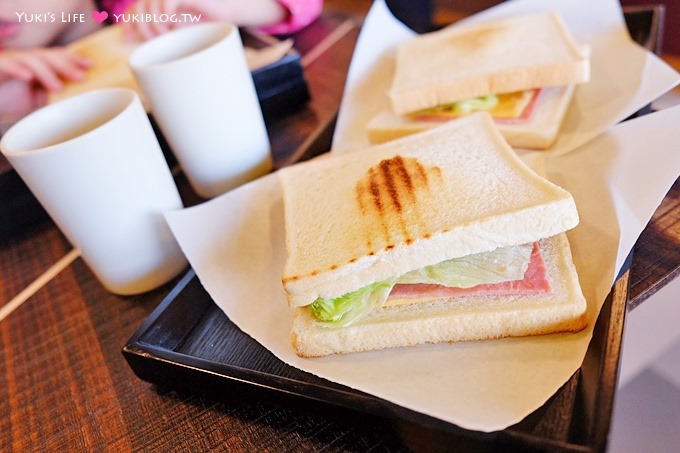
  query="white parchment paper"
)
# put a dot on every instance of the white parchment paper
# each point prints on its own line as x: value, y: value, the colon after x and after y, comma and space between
x: 235, y: 243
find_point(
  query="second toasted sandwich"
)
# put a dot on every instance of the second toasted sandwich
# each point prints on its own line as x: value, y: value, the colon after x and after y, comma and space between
x: 522, y: 70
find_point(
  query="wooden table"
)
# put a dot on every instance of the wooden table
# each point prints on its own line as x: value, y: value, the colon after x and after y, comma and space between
x: 64, y: 384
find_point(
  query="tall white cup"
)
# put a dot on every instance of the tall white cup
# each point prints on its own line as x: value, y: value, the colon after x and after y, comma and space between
x: 95, y: 165
x: 202, y: 95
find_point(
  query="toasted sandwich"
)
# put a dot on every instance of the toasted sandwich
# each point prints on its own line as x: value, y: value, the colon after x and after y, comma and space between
x: 522, y: 70
x: 440, y: 236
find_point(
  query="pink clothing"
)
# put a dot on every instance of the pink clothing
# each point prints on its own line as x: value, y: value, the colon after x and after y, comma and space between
x: 300, y: 14
x: 116, y: 6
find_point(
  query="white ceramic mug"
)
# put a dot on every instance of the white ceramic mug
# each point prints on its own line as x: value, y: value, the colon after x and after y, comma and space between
x: 95, y: 165
x: 202, y: 95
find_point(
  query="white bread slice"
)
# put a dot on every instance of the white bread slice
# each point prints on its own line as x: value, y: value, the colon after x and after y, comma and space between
x: 357, y: 218
x: 457, y: 319
x: 539, y: 132
x: 500, y: 56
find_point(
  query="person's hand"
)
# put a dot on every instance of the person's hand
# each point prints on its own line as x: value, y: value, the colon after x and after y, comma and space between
x: 46, y: 67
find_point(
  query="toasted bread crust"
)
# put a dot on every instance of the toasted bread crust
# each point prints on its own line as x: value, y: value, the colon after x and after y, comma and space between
x: 495, y: 57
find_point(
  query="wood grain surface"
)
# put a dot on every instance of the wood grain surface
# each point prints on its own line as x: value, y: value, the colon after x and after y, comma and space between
x: 657, y: 251
x: 65, y: 386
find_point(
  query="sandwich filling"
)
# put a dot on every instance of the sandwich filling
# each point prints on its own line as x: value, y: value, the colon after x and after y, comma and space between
x: 516, y: 270
x: 504, y: 108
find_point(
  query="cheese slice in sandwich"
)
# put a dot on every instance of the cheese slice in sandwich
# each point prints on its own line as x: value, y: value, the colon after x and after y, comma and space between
x: 522, y: 70
x: 440, y: 236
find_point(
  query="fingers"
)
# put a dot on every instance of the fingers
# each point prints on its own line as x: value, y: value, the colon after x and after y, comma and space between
x: 66, y: 65
x: 48, y: 67
x: 143, y: 29
x: 10, y: 68
x: 147, y: 29
x: 140, y: 30
x: 43, y: 73
x: 159, y: 7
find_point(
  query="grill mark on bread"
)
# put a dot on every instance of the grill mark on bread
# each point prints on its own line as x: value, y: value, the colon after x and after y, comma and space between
x: 387, y: 196
x: 386, y: 171
x: 422, y: 174
x: 405, y: 177
x: 396, y: 176
x: 360, y: 195
x: 376, y: 189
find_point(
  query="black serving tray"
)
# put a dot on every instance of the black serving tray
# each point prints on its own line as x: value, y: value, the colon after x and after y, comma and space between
x: 189, y: 344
